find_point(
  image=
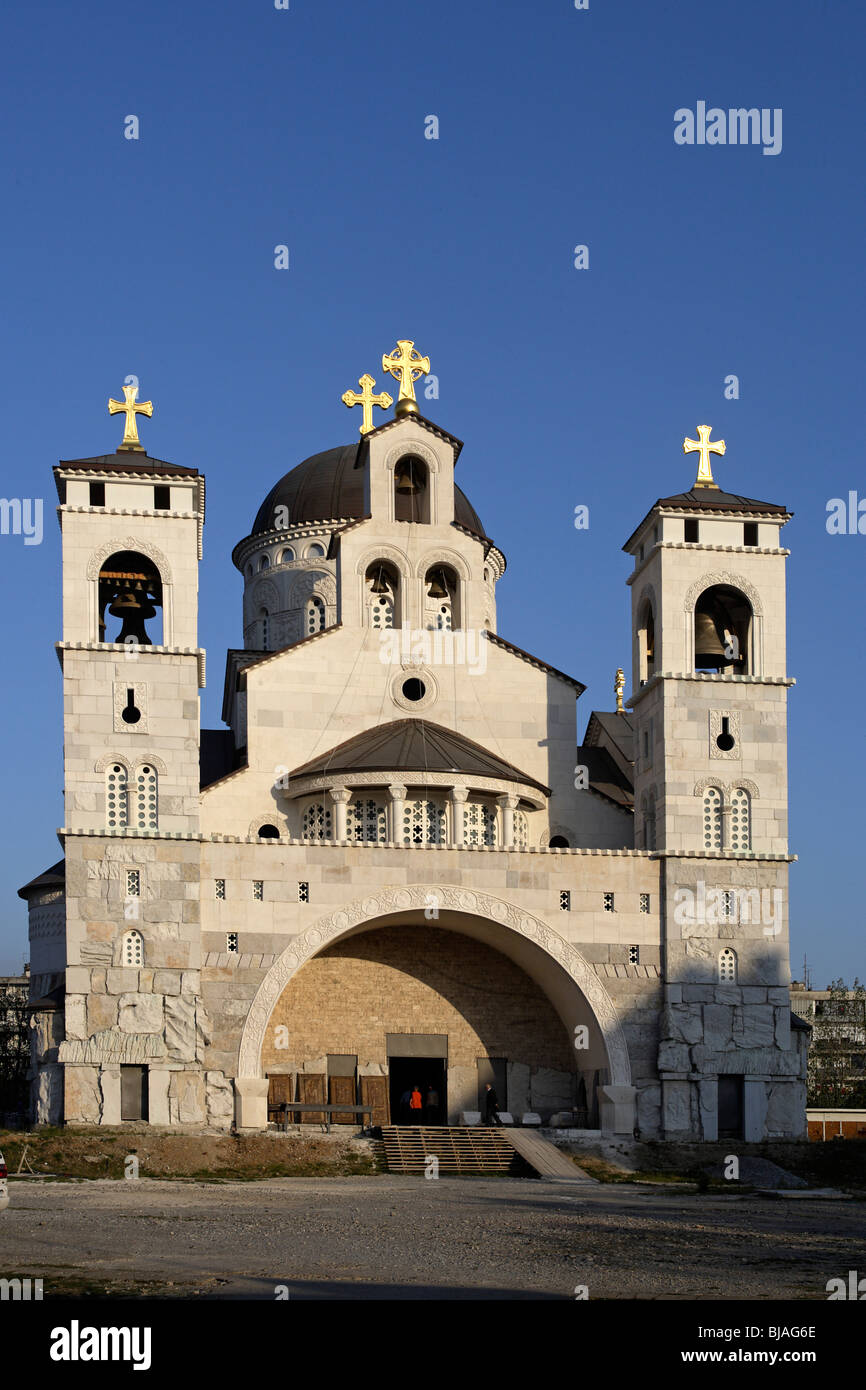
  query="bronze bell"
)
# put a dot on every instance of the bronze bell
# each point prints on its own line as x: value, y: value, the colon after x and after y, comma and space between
x: 134, y: 612
x: 404, y: 480
x: 709, y: 643
x: 379, y: 586
x: 438, y: 587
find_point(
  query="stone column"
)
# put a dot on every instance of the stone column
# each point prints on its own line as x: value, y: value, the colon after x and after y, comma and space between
x: 340, y: 797
x: 509, y: 806
x: 458, y: 797
x: 395, y: 813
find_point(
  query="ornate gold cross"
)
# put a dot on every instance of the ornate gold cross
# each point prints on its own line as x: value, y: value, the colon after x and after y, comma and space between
x: 406, y: 364
x: 703, y: 446
x: 367, y: 400
x: 130, y: 408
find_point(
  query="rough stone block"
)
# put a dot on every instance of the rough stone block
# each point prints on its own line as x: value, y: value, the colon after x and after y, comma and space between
x: 101, y: 1012
x: 75, y: 1016
x: 140, y: 1013
x: 180, y: 1028
x: 166, y: 981
x: 82, y: 1101
x: 121, y: 980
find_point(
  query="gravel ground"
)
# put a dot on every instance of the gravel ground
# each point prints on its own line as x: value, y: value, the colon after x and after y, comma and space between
x: 404, y: 1237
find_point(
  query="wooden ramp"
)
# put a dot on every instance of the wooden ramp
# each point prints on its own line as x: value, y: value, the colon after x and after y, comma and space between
x: 545, y: 1158
x: 458, y: 1149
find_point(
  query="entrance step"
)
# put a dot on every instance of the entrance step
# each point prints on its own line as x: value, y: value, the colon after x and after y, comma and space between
x: 547, y: 1160
x: 459, y: 1149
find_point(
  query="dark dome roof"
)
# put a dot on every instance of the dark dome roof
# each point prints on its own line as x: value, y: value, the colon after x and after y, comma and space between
x: 328, y: 485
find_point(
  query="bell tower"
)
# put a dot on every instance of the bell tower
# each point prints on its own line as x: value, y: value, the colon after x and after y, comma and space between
x: 709, y: 698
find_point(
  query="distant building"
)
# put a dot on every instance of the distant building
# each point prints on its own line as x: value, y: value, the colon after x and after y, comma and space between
x: 837, y: 1060
x: 14, y: 1042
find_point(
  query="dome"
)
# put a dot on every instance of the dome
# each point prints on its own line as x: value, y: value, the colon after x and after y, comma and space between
x: 328, y: 485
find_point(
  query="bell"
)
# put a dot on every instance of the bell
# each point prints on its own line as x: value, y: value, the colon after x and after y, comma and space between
x: 438, y: 588
x: 404, y: 480
x: 379, y: 585
x: 709, y: 645
x: 134, y: 614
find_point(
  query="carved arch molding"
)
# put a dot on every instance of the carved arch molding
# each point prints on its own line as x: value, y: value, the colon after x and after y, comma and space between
x: 98, y: 558
x: 733, y: 581
x: 389, y: 901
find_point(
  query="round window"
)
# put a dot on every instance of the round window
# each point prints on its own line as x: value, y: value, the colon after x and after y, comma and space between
x: 414, y: 689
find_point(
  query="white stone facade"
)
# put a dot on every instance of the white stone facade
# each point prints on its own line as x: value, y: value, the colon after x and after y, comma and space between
x: 183, y: 925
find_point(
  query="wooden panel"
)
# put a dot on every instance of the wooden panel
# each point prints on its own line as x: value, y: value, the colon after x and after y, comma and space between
x: 312, y: 1088
x: 374, y: 1091
x: 342, y: 1089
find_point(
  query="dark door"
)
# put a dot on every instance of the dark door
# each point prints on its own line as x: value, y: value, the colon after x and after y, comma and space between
x: 429, y: 1075
x: 374, y: 1091
x: 730, y: 1107
x: 133, y: 1093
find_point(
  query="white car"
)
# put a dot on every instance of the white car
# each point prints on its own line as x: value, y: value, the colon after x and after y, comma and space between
x: 4, y: 1184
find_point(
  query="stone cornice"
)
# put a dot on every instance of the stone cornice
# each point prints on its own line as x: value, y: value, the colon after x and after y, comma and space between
x: 120, y: 649
x: 721, y: 681
x: 701, y: 545
x: 495, y: 786
x: 126, y: 833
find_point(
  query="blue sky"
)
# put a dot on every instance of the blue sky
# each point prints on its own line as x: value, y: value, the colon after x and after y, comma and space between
x: 305, y: 127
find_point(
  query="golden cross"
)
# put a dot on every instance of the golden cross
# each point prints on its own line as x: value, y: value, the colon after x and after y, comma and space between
x: 406, y: 364
x: 130, y: 408
x: 703, y: 446
x: 365, y: 398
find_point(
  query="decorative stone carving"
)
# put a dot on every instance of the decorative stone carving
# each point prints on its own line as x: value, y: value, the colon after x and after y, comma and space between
x: 733, y: 581
x: 416, y: 896
x: 98, y: 557
x: 180, y: 1033
x: 113, y: 1046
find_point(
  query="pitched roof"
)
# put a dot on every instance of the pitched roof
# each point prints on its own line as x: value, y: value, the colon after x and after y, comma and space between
x: 605, y: 777
x: 413, y: 745
x: 533, y: 660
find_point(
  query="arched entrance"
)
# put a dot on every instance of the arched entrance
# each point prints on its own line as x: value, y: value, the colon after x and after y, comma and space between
x: 569, y: 986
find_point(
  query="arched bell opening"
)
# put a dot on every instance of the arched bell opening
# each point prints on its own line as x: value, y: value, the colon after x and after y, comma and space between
x: 441, y: 599
x: 723, y: 631
x: 130, y: 592
x: 411, y: 490
x: 382, y: 595
x: 646, y: 642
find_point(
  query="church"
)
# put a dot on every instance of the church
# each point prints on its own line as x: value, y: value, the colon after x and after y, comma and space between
x: 396, y: 865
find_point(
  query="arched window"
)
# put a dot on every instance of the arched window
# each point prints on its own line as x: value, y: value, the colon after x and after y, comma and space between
x: 423, y: 823
x: 741, y: 819
x: 646, y: 642
x: 723, y: 620
x: 381, y: 584
x: 132, y: 950
x: 521, y: 830
x: 727, y: 967
x: 268, y: 832
x: 116, y: 796
x: 558, y: 842
x: 712, y: 818
x: 146, y: 803
x: 287, y: 556
x: 315, y: 615
x: 365, y: 820
x: 264, y: 563
x: 130, y: 590
x: 440, y: 599
x: 249, y: 571
x: 263, y: 619
x: 315, y: 551
x: 479, y: 824
x: 411, y: 490
x: 317, y: 822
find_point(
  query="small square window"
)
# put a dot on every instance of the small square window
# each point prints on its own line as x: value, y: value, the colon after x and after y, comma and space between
x: 258, y: 889
x: 608, y: 902
x: 133, y: 883
x: 220, y: 889
x: 97, y: 494
x: 303, y: 892
x: 728, y: 904
x: 690, y: 530
x: 634, y: 955
x: 750, y: 533
x: 232, y: 942
x: 162, y: 499
x: 565, y: 901
x: 644, y: 902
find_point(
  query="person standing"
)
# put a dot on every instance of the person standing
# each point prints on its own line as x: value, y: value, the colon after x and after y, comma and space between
x: 416, y: 1104
x: 431, y: 1105
x: 491, y: 1106
x: 405, y: 1113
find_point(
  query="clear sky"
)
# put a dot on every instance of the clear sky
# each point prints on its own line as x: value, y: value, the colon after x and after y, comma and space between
x: 305, y: 127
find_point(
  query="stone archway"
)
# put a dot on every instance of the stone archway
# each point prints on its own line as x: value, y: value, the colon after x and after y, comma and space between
x: 524, y: 928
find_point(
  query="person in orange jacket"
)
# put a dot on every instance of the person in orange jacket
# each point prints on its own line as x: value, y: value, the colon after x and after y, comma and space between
x: 416, y: 1103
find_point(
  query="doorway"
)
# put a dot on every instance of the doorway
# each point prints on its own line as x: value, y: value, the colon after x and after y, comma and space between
x: 425, y: 1072
x: 730, y: 1107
